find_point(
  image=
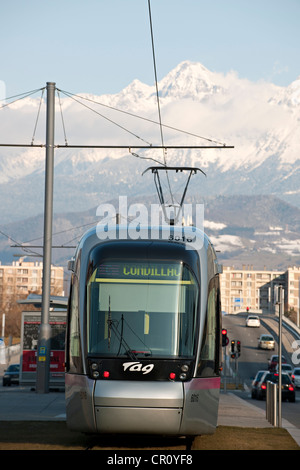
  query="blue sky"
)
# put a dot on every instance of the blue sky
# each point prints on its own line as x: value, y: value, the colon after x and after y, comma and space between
x: 100, y: 46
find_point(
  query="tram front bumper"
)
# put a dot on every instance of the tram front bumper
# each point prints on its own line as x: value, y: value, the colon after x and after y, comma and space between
x: 138, y: 407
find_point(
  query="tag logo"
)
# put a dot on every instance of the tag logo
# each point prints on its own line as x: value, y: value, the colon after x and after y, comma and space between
x: 137, y: 367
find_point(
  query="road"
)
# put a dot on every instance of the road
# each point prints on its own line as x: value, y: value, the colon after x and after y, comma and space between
x: 253, y: 359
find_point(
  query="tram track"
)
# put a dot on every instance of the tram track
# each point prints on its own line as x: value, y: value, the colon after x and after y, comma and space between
x: 142, y: 443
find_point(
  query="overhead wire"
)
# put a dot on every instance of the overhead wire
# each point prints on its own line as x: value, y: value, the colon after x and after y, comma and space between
x: 73, y: 96
x: 22, y: 95
x: 27, y: 250
x: 62, y: 231
x: 155, y: 76
x: 70, y: 94
x: 145, y: 158
x: 157, y: 97
x: 110, y: 120
x: 62, y: 117
x: 37, y: 118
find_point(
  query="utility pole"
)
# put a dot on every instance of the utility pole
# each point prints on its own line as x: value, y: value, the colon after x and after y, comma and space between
x: 44, y: 340
x: 281, y: 306
x: 279, y: 300
x: 3, y: 325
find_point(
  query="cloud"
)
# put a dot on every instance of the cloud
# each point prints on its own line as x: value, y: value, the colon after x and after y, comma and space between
x: 279, y: 69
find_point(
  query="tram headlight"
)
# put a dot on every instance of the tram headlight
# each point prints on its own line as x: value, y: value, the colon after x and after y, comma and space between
x: 94, y: 366
x: 95, y: 374
x: 182, y: 376
x: 184, y: 368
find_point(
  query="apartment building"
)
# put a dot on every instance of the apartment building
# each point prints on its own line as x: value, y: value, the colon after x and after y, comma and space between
x: 246, y: 287
x: 293, y: 288
x: 20, y: 278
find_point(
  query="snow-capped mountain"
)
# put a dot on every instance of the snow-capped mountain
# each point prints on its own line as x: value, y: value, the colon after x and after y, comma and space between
x: 198, y: 107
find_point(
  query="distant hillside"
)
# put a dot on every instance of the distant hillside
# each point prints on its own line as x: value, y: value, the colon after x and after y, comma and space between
x: 255, y: 230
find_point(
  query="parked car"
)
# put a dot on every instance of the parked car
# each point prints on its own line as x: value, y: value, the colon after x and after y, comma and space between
x: 266, y: 341
x: 287, y: 386
x: 296, y: 376
x: 11, y: 375
x: 285, y: 368
x: 255, y: 382
x: 273, y: 361
x: 253, y: 320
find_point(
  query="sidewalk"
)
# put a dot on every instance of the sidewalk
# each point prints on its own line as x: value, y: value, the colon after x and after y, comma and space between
x: 21, y: 404
x: 234, y: 411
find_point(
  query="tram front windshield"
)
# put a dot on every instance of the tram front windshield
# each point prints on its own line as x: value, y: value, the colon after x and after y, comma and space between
x: 142, y: 309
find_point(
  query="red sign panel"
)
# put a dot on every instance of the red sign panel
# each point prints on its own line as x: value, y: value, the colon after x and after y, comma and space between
x: 57, y: 360
x: 31, y: 326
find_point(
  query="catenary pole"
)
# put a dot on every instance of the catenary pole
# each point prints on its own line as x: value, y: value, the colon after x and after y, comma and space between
x: 43, y: 353
x: 281, y: 307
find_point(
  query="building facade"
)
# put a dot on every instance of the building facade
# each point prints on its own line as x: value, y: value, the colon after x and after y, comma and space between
x: 20, y: 279
x: 293, y: 289
x: 256, y: 290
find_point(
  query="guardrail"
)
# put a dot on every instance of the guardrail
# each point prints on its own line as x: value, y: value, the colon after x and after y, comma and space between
x: 290, y: 325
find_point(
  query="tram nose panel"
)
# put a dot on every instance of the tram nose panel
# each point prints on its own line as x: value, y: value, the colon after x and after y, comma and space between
x: 144, y: 407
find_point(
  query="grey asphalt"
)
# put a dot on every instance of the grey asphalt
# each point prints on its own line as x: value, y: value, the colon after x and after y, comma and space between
x: 19, y: 403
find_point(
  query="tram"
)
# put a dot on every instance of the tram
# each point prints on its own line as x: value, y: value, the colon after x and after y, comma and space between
x: 143, y: 343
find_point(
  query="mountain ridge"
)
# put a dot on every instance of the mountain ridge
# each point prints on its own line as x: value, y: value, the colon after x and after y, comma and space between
x: 259, y: 230
x: 260, y: 120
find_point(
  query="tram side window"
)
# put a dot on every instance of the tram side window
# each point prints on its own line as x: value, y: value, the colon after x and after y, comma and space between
x: 74, y: 334
x: 208, y: 356
x: 208, y: 351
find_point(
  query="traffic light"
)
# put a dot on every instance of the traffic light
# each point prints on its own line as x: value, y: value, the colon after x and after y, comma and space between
x: 224, y: 337
x: 235, y: 349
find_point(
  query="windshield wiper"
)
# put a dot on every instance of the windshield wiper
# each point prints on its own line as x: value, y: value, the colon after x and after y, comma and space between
x: 112, y: 327
x: 130, y: 353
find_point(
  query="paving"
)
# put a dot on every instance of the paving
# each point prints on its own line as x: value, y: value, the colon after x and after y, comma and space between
x: 234, y: 411
x: 19, y: 403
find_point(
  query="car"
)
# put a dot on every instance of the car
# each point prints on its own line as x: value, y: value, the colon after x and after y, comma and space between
x: 11, y: 375
x: 296, y: 376
x: 266, y: 341
x: 253, y: 320
x: 255, y: 382
x: 273, y: 361
x: 287, y: 386
x: 285, y: 368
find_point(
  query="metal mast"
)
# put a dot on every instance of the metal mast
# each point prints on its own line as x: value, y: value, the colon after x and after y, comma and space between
x: 43, y: 353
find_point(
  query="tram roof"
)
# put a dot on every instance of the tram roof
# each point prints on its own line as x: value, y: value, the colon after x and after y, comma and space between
x: 146, y: 232
x: 181, y: 234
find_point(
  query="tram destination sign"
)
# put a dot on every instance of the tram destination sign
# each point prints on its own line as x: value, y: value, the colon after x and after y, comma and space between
x: 140, y: 270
